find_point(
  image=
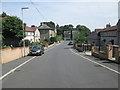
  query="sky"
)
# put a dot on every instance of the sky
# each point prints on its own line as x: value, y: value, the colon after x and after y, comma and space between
x: 89, y: 13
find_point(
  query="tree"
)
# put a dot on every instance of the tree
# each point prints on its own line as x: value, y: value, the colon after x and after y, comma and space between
x: 12, y: 30
x: 50, y: 24
x: 32, y: 25
x: 4, y: 14
x: 79, y: 38
x: 83, y: 29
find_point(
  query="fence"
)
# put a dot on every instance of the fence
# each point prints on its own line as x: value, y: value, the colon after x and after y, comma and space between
x: 9, y: 54
x: 111, y: 52
x: 83, y: 47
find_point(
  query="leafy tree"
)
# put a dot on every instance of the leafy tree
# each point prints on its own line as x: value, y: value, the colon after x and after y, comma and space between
x: 83, y: 29
x: 12, y: 29
x: 50, y: 24
x: 4, y: 14
x: 79, y: 38
x: 32, y: 25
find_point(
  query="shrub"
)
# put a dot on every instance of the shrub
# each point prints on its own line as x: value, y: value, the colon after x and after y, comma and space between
x: 27, y: 43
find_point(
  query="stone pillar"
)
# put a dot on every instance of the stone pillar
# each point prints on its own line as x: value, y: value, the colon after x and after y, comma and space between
x: 93, y: 49
x: 117, y: 54
x: 109, y: 51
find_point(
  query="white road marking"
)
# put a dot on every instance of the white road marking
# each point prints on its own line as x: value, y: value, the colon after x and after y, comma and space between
x: 22, y: 64
x: 96, y: 62
x: 16, y: 68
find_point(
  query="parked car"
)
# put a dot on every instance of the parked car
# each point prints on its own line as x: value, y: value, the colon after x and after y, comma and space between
x: 37, y: 50
x: 70, y: 43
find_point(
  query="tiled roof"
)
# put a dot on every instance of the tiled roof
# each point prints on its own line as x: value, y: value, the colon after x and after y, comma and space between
x: 107, y: 29
x: 31, y: 29
x: 98, y: 30
x: 44, y: 27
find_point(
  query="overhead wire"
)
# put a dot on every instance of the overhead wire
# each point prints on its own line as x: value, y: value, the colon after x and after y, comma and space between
x: 38, y: 11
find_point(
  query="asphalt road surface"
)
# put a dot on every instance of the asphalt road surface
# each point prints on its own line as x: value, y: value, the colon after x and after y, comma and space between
x: 62, y: 67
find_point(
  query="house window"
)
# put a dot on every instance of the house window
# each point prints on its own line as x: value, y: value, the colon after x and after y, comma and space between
x: 112, y: 42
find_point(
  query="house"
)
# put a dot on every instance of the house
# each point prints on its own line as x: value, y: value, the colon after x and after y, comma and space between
x: 118, y: 32
x: 94, y: 38
x: 108, y: 35
x: 67, y: 35
x: 32, y: 34
x: 46, y: 32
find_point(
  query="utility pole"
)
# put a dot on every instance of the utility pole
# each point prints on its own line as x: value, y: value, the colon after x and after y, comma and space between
x: 23, y: 29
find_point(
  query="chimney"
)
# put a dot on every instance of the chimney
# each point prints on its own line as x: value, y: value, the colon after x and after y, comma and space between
x: 108, y: 25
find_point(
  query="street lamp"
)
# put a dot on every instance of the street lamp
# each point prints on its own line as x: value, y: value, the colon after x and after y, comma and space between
x: 23, y: 28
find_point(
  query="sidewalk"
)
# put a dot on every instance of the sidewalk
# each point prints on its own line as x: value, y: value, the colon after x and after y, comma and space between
x: 88, y: 53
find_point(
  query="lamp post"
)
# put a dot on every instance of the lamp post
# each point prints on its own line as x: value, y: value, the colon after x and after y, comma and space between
x: 23, y: 28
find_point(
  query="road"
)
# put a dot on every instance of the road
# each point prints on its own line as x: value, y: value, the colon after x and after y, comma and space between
x: 63, y: 67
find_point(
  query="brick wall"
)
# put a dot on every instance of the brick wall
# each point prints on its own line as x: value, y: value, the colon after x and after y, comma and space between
x: 9, y: 54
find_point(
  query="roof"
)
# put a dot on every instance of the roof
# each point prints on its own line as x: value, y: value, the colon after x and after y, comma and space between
x: 107, y: 29
x: 44, y: 27
x: 30, y: 29
x: 98, y: 30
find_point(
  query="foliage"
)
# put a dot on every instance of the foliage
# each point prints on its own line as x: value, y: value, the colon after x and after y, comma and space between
x: 5, y: 46
x: 12, y: 30
x: 79, y: 38
x: 47, y: 39
x: 52, y: 40
x: 33, y: 26
x: 44, y: 43
x: 61, y: 29
x: 12, y: 27
x: 83, y: 29
x: 4, y: 14
x: 59, y: 38
x: 27, y: 43
x: 50, y: 24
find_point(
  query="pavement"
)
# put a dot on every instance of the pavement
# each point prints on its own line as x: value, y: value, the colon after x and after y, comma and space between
x: 62, y: 67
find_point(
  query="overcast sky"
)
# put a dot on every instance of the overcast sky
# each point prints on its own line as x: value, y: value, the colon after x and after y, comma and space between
x: 92, y: 14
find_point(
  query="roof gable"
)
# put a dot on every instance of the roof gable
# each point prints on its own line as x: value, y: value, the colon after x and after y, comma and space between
x: 30, y: 29
x: 44, y: 27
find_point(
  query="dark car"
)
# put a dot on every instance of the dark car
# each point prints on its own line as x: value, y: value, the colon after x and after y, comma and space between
x: 70, y: 43
x: 37, y: 50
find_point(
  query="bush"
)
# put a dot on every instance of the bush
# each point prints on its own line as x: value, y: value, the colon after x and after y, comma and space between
x: 52, y: 40
x: 5, y: 47
x: 27, y: 43
x: 58, y: 38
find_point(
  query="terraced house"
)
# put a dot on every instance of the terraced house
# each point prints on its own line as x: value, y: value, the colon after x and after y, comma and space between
x: 108, y: 35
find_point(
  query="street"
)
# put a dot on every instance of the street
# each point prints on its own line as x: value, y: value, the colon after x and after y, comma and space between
x: 63, y: 67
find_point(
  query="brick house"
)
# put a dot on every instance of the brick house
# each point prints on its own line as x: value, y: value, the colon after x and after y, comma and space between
x: 46, y: 32
x: 108, y: 35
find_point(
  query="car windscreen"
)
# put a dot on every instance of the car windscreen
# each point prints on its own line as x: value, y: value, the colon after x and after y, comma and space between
x: 36, y: 47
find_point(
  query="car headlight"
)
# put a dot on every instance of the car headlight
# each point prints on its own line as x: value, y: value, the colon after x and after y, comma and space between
x: 38, y: 51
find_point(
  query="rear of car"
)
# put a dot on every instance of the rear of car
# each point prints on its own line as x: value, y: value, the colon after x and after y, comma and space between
x: 70, y: 43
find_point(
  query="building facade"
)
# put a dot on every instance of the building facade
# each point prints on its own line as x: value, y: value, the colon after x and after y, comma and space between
x: 46, y: 32
x: 109, y: 36
x: 32, y: 34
